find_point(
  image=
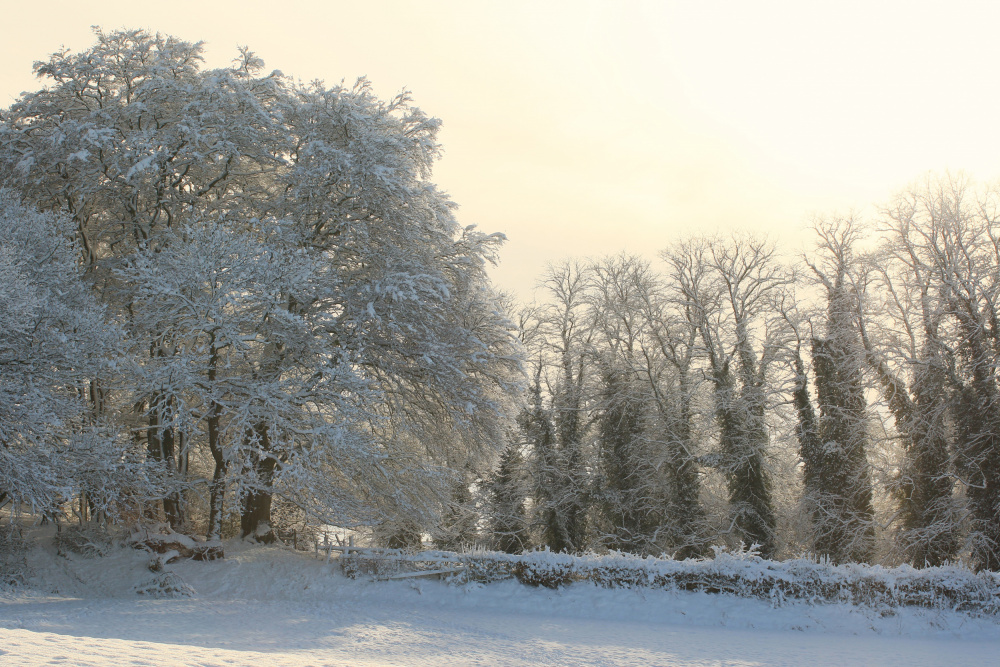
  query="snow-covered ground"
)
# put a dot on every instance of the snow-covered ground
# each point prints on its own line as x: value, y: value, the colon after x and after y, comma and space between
x: 270, y: 606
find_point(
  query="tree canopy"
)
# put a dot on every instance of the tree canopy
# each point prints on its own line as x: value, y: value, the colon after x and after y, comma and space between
x: 296, y: 297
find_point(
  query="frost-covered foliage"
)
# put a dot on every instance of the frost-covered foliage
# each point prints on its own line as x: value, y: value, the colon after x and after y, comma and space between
x: 57, y: 353
x: 747, y: 575
x: 86, y: 539
x: 304, y: 314
x: 505, y: 491
x: 165, y: 584
x: 731, y: 395
x: 740, y: 573
x: 14, y: 568
x: 838, y: 488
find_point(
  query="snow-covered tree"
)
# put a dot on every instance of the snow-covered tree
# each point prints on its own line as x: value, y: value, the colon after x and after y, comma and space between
x: 505, y: 494
x: 730, y: 286
x: 668, y: 372
x: 557, y: 432
x: 638, y: 467
x: 905, y: 333
x: 835, y: 456
x: 387, y: 336
x: 57, y: 355
x: 943, y: 234
x: 629, y: 494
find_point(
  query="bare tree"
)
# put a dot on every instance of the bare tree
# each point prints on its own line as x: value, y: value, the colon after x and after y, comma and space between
x: 915, y: 367
x: 729, y: 287
x: 945, y: 238
x: 558, y: 433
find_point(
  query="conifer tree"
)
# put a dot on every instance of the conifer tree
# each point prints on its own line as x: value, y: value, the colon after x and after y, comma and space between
x: 458, y: 528
x: 507, y: 524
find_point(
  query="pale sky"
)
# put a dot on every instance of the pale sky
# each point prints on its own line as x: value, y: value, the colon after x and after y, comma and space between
x: 590, y: 127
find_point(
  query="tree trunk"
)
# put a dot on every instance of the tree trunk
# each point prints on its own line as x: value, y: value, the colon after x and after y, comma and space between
x: 255, y: 519
x: 160, y: 445
x: 218, y: 485
x: 217, y: 489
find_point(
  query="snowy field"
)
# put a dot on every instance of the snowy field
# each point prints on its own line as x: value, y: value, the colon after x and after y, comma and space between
x: 270, y: 606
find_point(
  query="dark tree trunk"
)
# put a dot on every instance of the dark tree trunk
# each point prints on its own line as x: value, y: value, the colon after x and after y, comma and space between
x: 841, y: 490
x: 683, y: 512
x: 218, y: 485
x: 217, y: 489
x: 255, y: 519
x: 978, y: 444
x: 741, y: 450
x: 632, y: 515
x: 160, y: 446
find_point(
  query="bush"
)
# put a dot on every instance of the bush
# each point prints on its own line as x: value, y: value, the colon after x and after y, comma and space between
x: 14, y: 568
x: 165, y: 584
x: 379, y: 565
x: 87, y: 540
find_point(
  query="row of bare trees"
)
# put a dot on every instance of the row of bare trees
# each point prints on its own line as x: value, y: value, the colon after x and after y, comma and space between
x: 843, y: 403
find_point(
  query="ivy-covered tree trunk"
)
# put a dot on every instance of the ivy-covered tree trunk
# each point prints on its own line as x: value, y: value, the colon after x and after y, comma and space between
x: 838, y: 479
x: 628, y: 495
x: 684, y: 509
x: 741, y: 457
x: 549, y: 480
x: 931, y: 519
x: 977, y: 417
x: 570, y: 493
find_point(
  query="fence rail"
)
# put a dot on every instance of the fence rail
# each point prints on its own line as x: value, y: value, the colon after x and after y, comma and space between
x: 387, y: 563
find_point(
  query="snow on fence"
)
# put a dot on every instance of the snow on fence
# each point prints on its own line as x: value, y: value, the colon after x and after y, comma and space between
x: 394, y: 563
x: 741, y: 574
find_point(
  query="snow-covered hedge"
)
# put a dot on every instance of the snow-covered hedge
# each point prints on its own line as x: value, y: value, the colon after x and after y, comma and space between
x: 742, y: 574
x: 748, y: 575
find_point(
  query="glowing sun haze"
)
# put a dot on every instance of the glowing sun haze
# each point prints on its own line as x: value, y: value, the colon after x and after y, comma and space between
x: 586, y: 128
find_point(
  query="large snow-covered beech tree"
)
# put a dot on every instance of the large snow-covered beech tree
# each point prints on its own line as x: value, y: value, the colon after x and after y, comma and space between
x: 57, y: 351
x: 352, y: 323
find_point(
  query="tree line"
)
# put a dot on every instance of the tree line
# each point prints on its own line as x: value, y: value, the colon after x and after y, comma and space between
x: 842, y: 403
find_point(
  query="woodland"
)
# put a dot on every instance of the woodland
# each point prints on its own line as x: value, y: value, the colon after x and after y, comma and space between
x: 237, y: 305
